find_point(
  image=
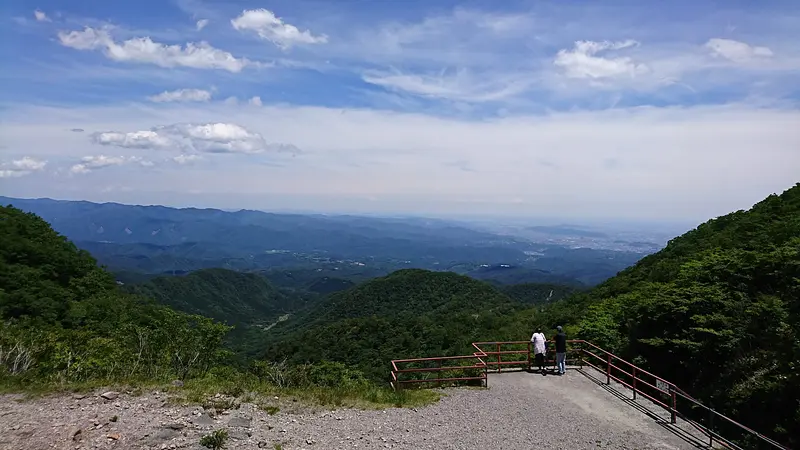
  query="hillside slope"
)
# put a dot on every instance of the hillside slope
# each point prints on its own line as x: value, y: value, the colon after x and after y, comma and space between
x: 507, y: 274
x: 62, y: 318
x: 409, y: 313
x: 538, y: 293
x: 225, y: 295
x: 717, y: 312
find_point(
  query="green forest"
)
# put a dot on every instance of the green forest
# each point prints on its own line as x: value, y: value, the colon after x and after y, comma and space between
x: 716, y: 312
x: 65, y: 320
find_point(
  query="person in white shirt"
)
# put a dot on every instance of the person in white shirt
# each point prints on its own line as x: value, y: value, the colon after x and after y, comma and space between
x: 538, y: 342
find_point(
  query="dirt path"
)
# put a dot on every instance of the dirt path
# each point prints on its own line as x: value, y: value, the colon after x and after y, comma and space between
x: 519, y: 411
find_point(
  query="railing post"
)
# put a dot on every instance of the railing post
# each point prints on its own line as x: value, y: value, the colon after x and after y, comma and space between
x: 486, y: 374
x: 498, y: 358
x: 674, y: 408
x: 634, y: 382
x: 608, y: 368
x: 439, y: 374
x: 710, y: 427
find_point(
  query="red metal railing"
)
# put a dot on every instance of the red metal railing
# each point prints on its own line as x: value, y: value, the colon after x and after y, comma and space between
x: 411, y: 366
x: 498, y: 358
x: 492, y: 355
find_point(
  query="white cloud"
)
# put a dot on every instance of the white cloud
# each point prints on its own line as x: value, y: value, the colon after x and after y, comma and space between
x: 41, y: 16
x: 219, y: 137
x: 201, y: 24
x: 186, y: 159
x: 182, y: 95
x: 137, y: 139
x: 736, y: 51
x: 88, y: 163
x: 583, y: 61
x: 91, y: 163
x: 461, y: 86
x: 143, y: 50
x: 255, y: 101
x: 270, y: 27
x: 215, y: 137
x: 28, y: 164
x: 460, y: 38
x: 21, y: 167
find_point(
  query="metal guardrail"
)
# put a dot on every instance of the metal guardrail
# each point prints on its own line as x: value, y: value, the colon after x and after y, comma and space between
x: 493, y: 356
x: 438, y: 370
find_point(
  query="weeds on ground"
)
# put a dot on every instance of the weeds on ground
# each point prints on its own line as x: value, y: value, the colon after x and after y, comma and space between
x: 215, y: 440
x: 269, y: 409
x: 35, y: 388
x: 334, y: 388
x: 249, y: 388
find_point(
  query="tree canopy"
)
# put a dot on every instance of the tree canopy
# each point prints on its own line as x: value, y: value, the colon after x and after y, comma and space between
x: 717, y: 312
x: 63, y: 318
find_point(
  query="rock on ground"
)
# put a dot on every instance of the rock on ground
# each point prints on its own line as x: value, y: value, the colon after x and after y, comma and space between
x: 518, y: 411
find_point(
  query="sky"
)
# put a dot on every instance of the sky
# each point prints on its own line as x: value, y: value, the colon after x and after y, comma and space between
x: 575, y: 109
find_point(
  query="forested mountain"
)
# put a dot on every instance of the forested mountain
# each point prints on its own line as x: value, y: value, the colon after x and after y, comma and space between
x: 718, y: 313
x: 408, y: 313
x: 506, y: 274
x: 303, y: 279
x: 62, y: 317
x: 538, y: 293
x: 233, y: 297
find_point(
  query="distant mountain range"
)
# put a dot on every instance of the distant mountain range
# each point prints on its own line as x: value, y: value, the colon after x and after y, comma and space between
x: 157, y: 240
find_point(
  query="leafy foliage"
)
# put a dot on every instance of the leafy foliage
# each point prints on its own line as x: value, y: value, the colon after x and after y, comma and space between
x: 409, y: 313
x: 506, y: 274
x: 225, y: 295
x: 718, y: 313
x: 64, y: 319
x: 215, y: 440
x: 538, y: 293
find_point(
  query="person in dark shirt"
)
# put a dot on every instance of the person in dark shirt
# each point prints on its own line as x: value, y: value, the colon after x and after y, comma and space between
x: 561, y: 351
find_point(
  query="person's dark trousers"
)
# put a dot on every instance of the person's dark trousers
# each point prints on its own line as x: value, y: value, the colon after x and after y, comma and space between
x: 540, y: 361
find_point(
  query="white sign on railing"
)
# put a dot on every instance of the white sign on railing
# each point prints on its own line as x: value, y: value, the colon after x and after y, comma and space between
x: 662, y: 386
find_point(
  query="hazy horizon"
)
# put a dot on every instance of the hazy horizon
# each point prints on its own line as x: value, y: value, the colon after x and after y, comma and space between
x: 475, y: 218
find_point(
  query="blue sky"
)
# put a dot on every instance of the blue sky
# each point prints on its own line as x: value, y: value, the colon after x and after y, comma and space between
x: 646, y: 110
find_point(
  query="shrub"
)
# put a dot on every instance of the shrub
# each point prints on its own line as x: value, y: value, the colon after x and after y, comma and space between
x: 215, y: 440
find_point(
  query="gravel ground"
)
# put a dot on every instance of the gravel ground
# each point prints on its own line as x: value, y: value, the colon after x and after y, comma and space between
x: 518, y: 411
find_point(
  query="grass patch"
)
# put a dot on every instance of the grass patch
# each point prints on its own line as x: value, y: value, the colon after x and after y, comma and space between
x: 234, y: 389
x: 33, y: 388
x: 270, y: 409
x: 250, y: 388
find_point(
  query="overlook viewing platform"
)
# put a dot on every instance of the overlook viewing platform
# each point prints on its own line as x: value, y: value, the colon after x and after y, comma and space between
x: 601, y: 394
